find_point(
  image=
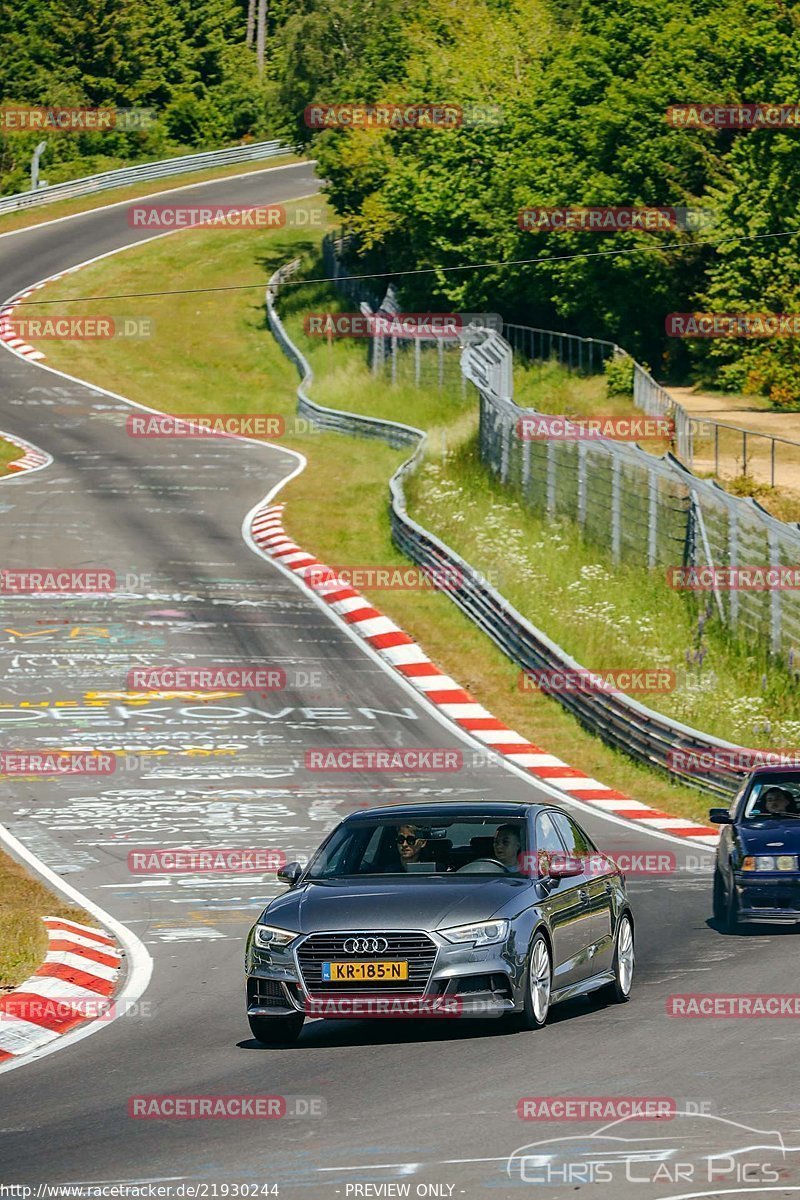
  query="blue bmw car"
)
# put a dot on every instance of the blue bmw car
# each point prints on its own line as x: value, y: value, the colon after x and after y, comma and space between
x: 757, y: 871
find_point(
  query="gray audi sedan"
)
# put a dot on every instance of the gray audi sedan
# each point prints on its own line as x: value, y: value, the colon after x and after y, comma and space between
x: 435, y: 910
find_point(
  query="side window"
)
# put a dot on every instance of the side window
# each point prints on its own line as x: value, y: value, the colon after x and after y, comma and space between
x: 576, y: 841
x: 548, y: 842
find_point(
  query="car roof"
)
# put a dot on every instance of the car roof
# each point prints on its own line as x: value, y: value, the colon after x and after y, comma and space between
x: 440, y: 809
x: 782, y: 770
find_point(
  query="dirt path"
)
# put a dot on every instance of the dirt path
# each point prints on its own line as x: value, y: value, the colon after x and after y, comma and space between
x: 746, y: 412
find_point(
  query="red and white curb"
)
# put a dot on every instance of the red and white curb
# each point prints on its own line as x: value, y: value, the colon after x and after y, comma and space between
x: 409, y: 660
x: 32, y: 457
x: 73, y: 985
x: 9, y: 335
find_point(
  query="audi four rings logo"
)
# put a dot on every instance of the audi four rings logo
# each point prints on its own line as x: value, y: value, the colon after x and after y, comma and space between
x: 366, y: 945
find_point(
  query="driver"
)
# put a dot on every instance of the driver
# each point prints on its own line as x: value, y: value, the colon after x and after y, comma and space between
x: 507, y: 845
x: 776, y: 802
x: 409, y: 844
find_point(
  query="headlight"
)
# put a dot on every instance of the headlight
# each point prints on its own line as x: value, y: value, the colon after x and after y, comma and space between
x: 485, y: 934
x: 270, y: 938
x: 769, y: 862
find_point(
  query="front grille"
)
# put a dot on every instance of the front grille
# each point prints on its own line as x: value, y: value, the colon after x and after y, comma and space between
x: 416, y: 949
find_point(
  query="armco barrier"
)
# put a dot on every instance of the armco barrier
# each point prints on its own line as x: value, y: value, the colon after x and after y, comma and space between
x: 619, y: 720
x: 254, y: 152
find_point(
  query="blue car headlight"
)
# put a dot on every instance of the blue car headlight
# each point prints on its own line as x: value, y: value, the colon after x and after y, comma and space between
x: 769, y: 862
x: 269, y: 937
x: 487, y: 933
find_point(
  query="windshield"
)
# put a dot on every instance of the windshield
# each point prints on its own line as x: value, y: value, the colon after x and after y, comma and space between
x: 776, y: 798
x: 459, y: 844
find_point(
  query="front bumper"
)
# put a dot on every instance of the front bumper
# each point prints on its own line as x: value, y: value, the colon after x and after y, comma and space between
x: 463, y: 981
x: 772, y: 898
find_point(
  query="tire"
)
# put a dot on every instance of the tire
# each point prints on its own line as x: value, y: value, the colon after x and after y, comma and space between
x: 619, y: 992
x: 276, y: 1031
x: 726, y: 908
x: 538, y: 987
x: 719, y: 904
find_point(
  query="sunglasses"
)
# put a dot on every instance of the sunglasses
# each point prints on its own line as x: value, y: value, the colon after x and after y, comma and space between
x: 410, y: 838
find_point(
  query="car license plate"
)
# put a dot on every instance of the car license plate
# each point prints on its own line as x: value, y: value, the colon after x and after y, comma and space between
x: 360, y: 972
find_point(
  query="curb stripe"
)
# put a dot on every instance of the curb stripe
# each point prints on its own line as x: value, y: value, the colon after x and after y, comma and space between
x: 80, y: 970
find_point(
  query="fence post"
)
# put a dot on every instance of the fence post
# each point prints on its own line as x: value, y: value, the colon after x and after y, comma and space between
x: 616, y: 515
x: 582, y: 456
x: 652, y: 518
x: 394, y: 360
x: 505, y: 449
x: 775, y: 595
x: 733, y: 555
x: 417, y: 361
x: 526, y: 465
x: 440, y: 349
x: 551, y: 477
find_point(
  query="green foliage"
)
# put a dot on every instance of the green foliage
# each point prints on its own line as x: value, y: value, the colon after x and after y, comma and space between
x: 619, y: 376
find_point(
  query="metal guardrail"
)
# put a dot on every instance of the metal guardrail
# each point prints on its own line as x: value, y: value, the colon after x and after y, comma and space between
x: 621, y: 722
x: 90, y: 184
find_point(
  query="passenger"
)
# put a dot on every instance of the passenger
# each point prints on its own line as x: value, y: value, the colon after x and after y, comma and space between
x: 409, y: 845
x: 776, y: 802
x: 507, y: 845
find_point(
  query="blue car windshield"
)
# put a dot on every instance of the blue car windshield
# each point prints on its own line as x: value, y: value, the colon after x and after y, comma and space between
x: 776, y: 798
x: 487, y: 846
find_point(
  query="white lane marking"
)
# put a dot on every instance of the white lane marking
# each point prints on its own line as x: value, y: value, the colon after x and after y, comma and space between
x: 140, y: 964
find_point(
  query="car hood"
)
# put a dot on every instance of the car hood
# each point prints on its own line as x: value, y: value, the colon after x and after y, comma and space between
x: 771, y: 837
x: 395, y: 904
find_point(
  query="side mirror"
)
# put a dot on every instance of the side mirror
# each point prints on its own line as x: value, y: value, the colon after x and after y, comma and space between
x: 290, y: 873
x: 720, y: 816
x: 564, y: 866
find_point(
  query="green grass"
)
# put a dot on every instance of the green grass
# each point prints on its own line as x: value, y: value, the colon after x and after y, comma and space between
x: 338, y: 508
x: 9, y: 453
x: 23, y: 938
x: 607, y: 617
